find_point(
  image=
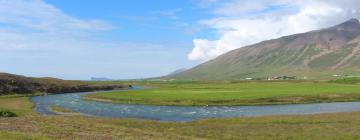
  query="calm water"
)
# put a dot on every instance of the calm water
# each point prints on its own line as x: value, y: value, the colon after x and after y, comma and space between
x: 74, y: 102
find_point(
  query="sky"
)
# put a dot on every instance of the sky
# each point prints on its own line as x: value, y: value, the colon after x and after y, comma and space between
x: 130, y: 39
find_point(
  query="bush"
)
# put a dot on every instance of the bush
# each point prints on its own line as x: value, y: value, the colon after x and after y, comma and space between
x: 7, y: 113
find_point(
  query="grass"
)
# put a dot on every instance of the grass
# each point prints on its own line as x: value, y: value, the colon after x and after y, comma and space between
x: 18, y: 104
x: 324, y: 126
x: 321, y: 127
x: 233, y: 93
x: 352, y: 80
x: 31, y: 126
x: 21, y: 136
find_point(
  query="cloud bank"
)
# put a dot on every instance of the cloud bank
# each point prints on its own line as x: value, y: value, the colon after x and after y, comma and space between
x: 244, y: 22
x: 34, y: 24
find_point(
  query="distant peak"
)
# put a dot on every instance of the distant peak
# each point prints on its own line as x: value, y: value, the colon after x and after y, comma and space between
x: 351, y: 24
x: 353, y: 20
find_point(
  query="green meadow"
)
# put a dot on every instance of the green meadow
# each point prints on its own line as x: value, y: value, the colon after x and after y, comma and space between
x: 234, y: 93
x: 31, y: 126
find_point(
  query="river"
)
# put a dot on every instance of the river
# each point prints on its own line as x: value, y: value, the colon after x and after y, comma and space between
x: 75, y: 102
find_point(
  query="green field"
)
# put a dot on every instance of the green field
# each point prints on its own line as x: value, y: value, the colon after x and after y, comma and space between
x: 31, y: 126
x: 235, y: 93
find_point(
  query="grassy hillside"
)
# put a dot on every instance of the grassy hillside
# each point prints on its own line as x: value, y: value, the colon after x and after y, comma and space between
x: 313, y: 55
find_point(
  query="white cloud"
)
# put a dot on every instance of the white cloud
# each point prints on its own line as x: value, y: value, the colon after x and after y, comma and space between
x: 36, y: 14
x: 38, y: 39
x: 241, y: 23
x: 36, y: 25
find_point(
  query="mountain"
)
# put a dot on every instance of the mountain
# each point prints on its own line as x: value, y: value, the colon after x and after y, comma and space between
x: 100, y: 79
x: 17, y: 84
x: 177, y: 71
x: 318, y: 54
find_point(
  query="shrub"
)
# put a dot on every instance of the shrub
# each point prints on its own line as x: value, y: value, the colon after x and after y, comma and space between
x: 7, y: 113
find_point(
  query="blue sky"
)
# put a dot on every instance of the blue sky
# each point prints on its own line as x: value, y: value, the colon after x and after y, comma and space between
x: 145, y: 39
x: 138, y: 20
x: 125, y: 39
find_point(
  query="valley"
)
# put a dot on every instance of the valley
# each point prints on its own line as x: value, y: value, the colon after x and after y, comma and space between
x: 31, y: 125
x: 300, y: 86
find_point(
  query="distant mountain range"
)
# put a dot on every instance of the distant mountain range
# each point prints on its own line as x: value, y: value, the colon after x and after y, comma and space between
x: 100, y: 79
x: 318, y: 54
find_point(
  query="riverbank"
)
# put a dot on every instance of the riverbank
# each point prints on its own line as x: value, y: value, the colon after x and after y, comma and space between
x: 232, y: 93
x: 31, y: 125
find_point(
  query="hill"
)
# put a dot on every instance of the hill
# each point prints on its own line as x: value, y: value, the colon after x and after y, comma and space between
x: 318, y: 54
x: 10, y: 84
x: 177, y: 71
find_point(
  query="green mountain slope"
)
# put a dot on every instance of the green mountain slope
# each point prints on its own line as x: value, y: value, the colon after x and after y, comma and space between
x: 313, y: 55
